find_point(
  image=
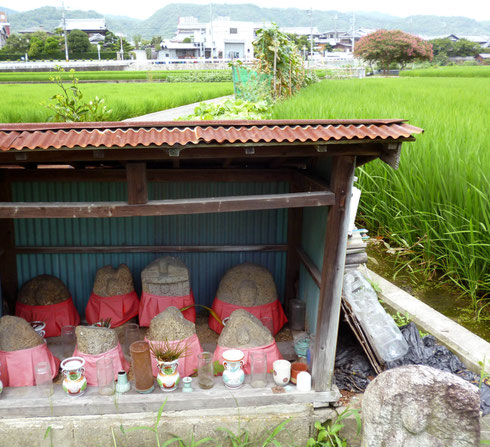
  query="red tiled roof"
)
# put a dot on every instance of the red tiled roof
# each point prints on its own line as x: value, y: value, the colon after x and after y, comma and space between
x: 134, y: 134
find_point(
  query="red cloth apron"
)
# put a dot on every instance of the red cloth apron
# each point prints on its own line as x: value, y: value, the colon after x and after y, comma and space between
x: 272, y: 310
x: 271, y: 350
x: 151, y: 305
x: 188, y: 364
x: 119, y: 308
x: 54, y: 315
x: 118, y: 361
x: 17, y: 367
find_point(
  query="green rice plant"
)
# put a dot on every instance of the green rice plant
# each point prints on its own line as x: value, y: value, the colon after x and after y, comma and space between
x: 437, y: 202
x: 22, y: 103
x: 152, y: 75
x: 449, y: 72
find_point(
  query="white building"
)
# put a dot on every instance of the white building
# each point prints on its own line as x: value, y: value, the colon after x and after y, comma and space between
x: 222, y: 38
x: 4, y: 29
x: 89, y: 26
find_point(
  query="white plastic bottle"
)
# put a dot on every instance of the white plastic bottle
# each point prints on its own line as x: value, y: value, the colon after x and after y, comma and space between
x: 383, y: 333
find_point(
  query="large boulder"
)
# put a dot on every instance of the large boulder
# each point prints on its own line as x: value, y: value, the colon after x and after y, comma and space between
x: 42, y: 290
x: 166, y: 276
x: 247, y: 285
x: 170, y: 325
x: 16, y: 334
x: 419, y: 406
x: 244, y: 330
x: 95, y: 340
x: 111, y: 282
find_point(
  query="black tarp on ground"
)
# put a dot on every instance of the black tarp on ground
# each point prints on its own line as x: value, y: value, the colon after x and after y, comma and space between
x: 352, y: 368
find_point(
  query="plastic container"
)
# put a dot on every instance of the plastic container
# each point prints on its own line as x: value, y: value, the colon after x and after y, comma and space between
x: 381, y: 330
x: 297, y: 312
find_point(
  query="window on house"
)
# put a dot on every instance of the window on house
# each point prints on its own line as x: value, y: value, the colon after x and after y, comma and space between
x: 233, y: 30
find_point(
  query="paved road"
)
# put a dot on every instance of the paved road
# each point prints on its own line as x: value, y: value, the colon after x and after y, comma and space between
x: 172, y: 114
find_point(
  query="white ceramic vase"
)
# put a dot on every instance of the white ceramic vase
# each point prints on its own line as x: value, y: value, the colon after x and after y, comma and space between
x: 233, y: 375
x: 168, y: 375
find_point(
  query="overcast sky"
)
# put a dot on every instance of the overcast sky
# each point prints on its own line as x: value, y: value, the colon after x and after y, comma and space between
x: 142, y: 9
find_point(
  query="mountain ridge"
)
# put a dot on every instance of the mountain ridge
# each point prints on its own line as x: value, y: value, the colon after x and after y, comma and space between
x: 164, y: 21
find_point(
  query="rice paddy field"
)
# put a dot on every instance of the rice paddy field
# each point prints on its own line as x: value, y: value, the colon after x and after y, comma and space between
x: 22, y: 103
x: 165, y: 75
x: 449, y: 72
x: 436, y: 207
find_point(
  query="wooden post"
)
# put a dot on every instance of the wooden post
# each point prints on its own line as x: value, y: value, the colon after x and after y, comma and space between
x: 8, y: 261
x: 295, y: 221
x: 332, y: 273
x: 137, y: 183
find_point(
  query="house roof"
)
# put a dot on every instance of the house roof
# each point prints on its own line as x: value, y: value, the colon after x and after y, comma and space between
x: 34, y: 136
x: 85, y: 24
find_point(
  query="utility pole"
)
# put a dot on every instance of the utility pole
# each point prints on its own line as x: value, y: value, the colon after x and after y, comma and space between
x: 353, y: 30
x: 122, y: 49
x: 335, y: 18
x: 64, y: 32
x: 212, y: 30
x: 310, y: 13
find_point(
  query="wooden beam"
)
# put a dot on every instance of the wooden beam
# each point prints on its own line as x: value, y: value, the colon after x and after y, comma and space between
x: 332, y: 273
x: 137, y: 183
x: 149, y: 249
x: 310, y: 266
x: 164, y: 207
x: 295, y: 224
x: 153, y: 175
x: 310, y: 182
x: 8, y: 261
x: 189, y: 153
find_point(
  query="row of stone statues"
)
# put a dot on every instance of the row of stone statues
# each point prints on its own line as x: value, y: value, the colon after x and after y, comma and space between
x: 245, y: 285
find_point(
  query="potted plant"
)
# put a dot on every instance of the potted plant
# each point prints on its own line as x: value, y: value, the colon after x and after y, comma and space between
x: 167, y: 354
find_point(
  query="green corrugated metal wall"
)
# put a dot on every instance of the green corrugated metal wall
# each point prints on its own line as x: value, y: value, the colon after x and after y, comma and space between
x: 313, y: 241
x: 78, y: 270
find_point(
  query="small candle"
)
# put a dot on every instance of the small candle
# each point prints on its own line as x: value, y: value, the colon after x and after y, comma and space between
x: 304, y: 381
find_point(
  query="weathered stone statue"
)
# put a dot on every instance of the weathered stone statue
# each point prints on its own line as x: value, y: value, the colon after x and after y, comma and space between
x: 167, y: 276
x: 111, y: 282
x: 16, y: 334
x: 170, y: 325
x: 95, y: 340
x: 244, y: 330
x: 419, y: 406
x: 43, y: 290
x: 247, y: 285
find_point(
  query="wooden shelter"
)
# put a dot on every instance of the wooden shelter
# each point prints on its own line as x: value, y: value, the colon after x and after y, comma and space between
x: 315, y: 159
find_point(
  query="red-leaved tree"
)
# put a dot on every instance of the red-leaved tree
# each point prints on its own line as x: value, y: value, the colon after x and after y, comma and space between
x: 388, y: 46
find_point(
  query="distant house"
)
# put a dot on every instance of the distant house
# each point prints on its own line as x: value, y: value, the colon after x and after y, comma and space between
x: 96, y: 38
x: 4, y: 29
x: 35, y: 29
x: 90, y: 26
x: 222, y: 38
x: 483, y: 59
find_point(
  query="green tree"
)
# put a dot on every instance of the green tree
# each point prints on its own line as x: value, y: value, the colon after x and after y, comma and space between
x: 464, y: 47
x: 392, y: 46
x: 52, y: 44
x: 78, y: 41
x: 445, y: 46
x: 36, y: 47
x: 138, y: 41
x: 187, y: 40
x: 16, y: 43
x: 156, y: 42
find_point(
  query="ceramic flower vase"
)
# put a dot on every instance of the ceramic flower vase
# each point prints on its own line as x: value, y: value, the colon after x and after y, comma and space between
x: 168, y: 375
x: 233, y: 375
x: 74, y: 382
x: 123, y: 385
